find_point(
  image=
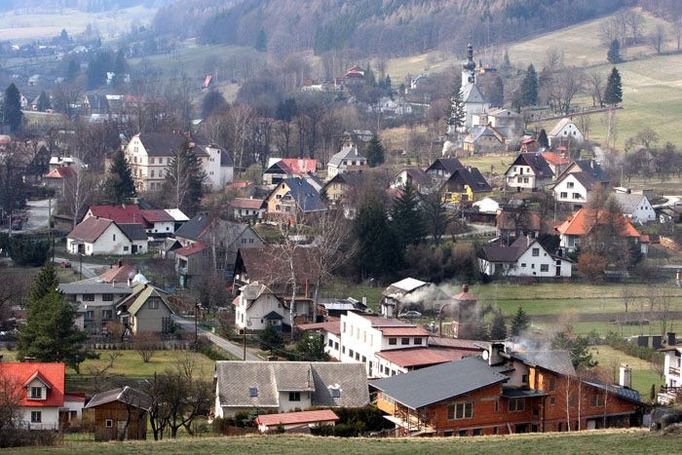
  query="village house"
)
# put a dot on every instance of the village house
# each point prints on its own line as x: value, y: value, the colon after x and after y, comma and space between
x: 556, y: 163
x: 578, y: 225
x: 565, y: 134
x: 298, y: 422
x: 218, y: 166
x: 528, y: 172
x: 636, y: 207
x: 484, y: 210
x: 119, y: 414
x: 505, y: 121
x: 483, y: 139
x: 156, y: 223
x: 347, y: 160
x: 442, y: 168
x: 42, y: 403
x: 526, y: 257
x: 578, y: 181
x: 292, y: 199
x: 284, y: 386
x: 257, y: 307
x: 145, y: 310
x: 99, y: 236
x: 503, y: 392
x: 513, y: 222
x: 59, y: 177
x: 406, y: 294
x: 417, y: 178
x: 247, y: 208
x: 672, y: 371
x: 338, y: 189
x: 280, y: 169
x: 465, y: 185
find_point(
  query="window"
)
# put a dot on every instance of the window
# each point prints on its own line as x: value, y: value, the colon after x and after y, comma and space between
x: 108, y: 297
x: 417, y: 341
x: 517, y: 404
x: 36, y: 416
x: 552, y: 384
x: 476, y: 431
x: 109, y: 423
x: 463, y: 410
x: 253, y: 392
x: 598, y: 400
x: 107, y: 315
x: 357, y: 356
x: 496, y: 406
x: 89, y: 315
x: 330, y: 343
x: 88, y: 297
x: 570, y: 185
x: 564, y: 195
x: 336, y: 345
x: 544, y: 267
x: 153, y: 304
x: 351, y: 353
x: 404, y: 341
x: 125, y: 248
x: 552, y: 401
x: 36, y: 393
x: 524, y: 379
x: 523, y: 264
x: 462, y: 432
x: 294, y: 396
x: 392, y: 341
x: 577, y: 196
x: 114, y: 237
x: 448, y: 433
x: 536, y: 252
x: 151, y: 174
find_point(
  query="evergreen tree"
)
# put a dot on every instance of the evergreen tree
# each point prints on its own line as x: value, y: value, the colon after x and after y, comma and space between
x: 310, y: 348
x: 388, y: 85
x: 520, y: 322
x: 498, y: 328
x: 50, y: 335
x: 98, y: 66
x: 578, y: 348
x: 614, y: 90
x: 271, y: 338
x: 213, y: 103
x: 457, y: 116
x: 406, y: 218
x: 261, y: 41
x: 375, y: 152
x: 185, y: 180
x: 496, y: 95
x: 72, y: 70
x: 44, y: 283
x: 27, y: 250
x: 379, y: 250
x: 43, y: 102
x: 120, y: 68
x: 435, y: 215
x: 613, y: 55
x: 529, y: 88
x: 543, y: 140
x: 12, y: 108
x: 120, y: 186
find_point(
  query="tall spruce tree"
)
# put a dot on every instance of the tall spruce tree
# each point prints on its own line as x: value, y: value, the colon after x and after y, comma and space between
x: 614, y: 89
x: 496, y: 95
x: 435, y: 214
x: 498, y: 327
x: 457, y: 116
x: 520, y: 322
x: 119, y: 185
x: 43, y: 102
x: 379, y: 254
x: 613, y: 55
x: 185, y: 180
x: 529, y: 88
x: 44, y: 283
x: 12, y: 114
x: 543, y: 140
x: 406, y: 217
x: 375, y: 152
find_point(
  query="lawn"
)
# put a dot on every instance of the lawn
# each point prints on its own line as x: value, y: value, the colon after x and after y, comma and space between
x: 593, y: 442
x: 643, y: 374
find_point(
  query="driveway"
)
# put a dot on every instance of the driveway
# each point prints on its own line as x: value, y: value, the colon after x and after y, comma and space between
x: 89, y: 270
x: 227, y: 345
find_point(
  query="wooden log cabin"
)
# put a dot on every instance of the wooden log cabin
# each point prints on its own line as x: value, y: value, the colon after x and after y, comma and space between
x: 118, y: 414
x: 502, y: 392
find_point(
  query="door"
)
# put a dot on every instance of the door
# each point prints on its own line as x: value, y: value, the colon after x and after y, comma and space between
x: 591, y: 424
x: 133, y: 249
x: 558, y: 270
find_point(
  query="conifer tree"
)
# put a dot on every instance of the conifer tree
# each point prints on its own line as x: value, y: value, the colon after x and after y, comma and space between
x: 120, y: 185
x: 379, y: 250
x: 44, y: 283
x: 496, y: 95
x: 43, y: 102
x: 520, y: 322
x: 529, y: 88
x: 12, y: 114
x: 543, y: 140
x: 613, y: 55
x: 185, y: 180
x: 435, y: 215
x: 375, y: 152
x: 498, y: 328
x: 457, y: 116
x: 406, y: 217
x: 614, y: 90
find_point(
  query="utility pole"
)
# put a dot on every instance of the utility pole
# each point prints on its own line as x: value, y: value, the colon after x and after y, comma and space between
x: 196, y: 327
x: 244, y: 343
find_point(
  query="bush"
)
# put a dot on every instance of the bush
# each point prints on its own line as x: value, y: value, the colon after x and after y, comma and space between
x: 29, y: 250
x: 642, y: 352
x: 221, y: 425
x: 19, y: 438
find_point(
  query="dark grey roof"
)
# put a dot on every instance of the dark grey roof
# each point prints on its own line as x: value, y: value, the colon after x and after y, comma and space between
x: 469, y: 176
x: 234, y: 379
x: 127, y: 395
x: 193, y: 228
x: 162, y: 144
x: 273, y: 316
x: 307, y: 198
x: 620, y: 392
x: 420, y: 388
x: 500, y: 253
x: 593, y: 169
x: 133, y: 231
x: 556, y: 361
x: 348, y: 152
x: 536, y: 162
x: 92, y: 286
x: 450, y: 165
x: 200, y: 225
x: 225, y: 159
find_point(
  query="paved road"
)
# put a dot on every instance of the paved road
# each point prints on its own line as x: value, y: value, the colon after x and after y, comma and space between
x: 89, y: 270
x: 38, y: 214
x: 227, y: 345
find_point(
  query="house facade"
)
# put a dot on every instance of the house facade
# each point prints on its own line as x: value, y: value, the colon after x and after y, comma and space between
x: 672, y: 371
x: 98, y: 236
x: 218, y: 166
x: 347, y: 160
x: 636, y: 207
x: 146, y: 310
x: 257, y: 308
x: 577, y: 226
x: 119, y: 414
x: 526, y: 257
x: 528, y: 172
x: 565, y: 133
x: 292, y: 199
x: 465, y: 185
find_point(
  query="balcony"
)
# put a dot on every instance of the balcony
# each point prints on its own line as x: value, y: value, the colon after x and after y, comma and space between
x: 672, y: 371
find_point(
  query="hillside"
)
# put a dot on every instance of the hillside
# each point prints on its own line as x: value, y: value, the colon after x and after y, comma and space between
x: 603, y: 442
x: 372, y: 27
x: 91, y: 6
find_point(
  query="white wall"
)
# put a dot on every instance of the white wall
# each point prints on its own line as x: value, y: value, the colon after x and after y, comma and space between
x: 285, y: 405
x: 569, y: 132
x: 162, y: 227
x: 358, y: 336
x: 50, y: 418
x: 112, y: 241
x: 524, y: 174
x: 252, y: 319
x: 644, y: 213
x: 575, y: 191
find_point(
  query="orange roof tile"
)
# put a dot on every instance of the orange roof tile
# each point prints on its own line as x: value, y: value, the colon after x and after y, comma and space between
x: 579, y: 224
x: 52, y: 374
x: 293, y: 418
x: 555, y: 159
x: 421, y: 357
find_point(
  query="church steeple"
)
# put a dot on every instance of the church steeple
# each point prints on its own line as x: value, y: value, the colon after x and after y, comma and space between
x: 469, y: 67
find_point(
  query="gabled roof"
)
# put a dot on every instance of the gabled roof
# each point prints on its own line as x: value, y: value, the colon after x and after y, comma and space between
x: 306, y: 197
x: 478, y: 132
x: 267, y: 265
x: 196, y: 228
x: 50, y: 374
x: 133, y: 231
x: 593, y: 169
x: 509, y: 254
x: 537, y: 164
x: 561, y: 124
x: 126, y: 395
x: 246, y: 203
x: 472, y: 94
x: 139, y: 297
x: 582, y: 222
x: 273, y: 316
x: 348, y: 152
x: 118, y: 273
x: 189, y: 250
x: 157, y: 216
x: 300, y: 166
x: 62, y: 172
x: 555, y: 159
x: 418, y: 175
x: 408, y: 284
x: 257, y: 384
x: 557, y: 361
x: 161, y: 144
x: 421, y: 357
x: 297, y: 418
x: 450, y: 165
x: 125, y: 213
x: 629, y: 202
x: 430, y: 385
x: 352, y: 179
x: 471, y: 177
x: 90, y: 229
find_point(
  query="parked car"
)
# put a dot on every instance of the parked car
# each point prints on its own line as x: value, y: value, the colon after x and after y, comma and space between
x: 65, y: 264
x: 410, y: 315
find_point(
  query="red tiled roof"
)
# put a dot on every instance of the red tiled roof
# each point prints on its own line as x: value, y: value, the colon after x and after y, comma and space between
x: 52, y: 374
x: 420, y: 357
x: 157, y: 216
x: 237, y: 185
x: 579, y: 224
x: 117, y: 273
x: 555, y: 159
x: 122, y: 214
x: 246, y: 203
x: 299, y: 166
x: 62, y: 172
x: 293, y: 418
x: 74, y: 396
x: 191, y: 249
x: 404, y: 331
x: 90, y: 229
x: 333, y: 326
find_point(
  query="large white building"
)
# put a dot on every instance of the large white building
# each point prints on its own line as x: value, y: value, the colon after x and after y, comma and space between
x: 474, y: 101
x: 526, y: 257
x: 672, y: 371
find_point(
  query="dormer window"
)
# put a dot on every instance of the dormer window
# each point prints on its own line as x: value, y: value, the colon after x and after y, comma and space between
x: 36, y: 393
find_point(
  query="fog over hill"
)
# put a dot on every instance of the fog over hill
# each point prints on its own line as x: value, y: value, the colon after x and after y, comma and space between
x: 91, y: 6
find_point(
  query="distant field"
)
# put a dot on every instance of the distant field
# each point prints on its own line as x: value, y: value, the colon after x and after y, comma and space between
x: 588, y: 442
x: 643, y: 374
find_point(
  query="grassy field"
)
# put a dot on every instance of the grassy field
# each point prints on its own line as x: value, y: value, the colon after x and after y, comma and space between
x: 643, y: 374
x: 593, y: 442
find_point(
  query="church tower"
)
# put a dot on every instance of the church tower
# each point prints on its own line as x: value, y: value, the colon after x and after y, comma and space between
x: 469, y: 68
x: 473, y: 99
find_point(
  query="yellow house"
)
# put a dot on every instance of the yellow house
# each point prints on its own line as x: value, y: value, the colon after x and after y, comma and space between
x: 465, y: 185
x: 292, y: 198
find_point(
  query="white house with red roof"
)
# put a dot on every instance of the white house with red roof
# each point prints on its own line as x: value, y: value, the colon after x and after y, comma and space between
x: 94, y: 236
x: 39, y: 388
x: 157, y: 223
x: 247, y: 208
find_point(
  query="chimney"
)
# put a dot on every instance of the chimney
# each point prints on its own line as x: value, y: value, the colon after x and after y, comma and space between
x: 495, y: 354
x: 625, y: 376
x: 672, y: 338
x: 364, y: 301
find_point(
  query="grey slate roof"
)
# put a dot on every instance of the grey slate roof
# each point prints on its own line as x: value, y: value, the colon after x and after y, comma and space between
x: 306, y: 197
x: 620, y: 392
x: 420, y: 388
x: 347, y: 152
x: 162, y: 144
x: 629, y: 202
x: 127, y: 395
x: 93, y: 286
x: 593, y: 169
x: 450, y: 165
x: 133, y: 231
x: 557, y: 361
x: 536, y: 162
x: 234, y: 379
x: 197, y: 227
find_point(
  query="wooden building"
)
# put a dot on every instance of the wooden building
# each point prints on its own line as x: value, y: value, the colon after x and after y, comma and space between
x: 118, y: 414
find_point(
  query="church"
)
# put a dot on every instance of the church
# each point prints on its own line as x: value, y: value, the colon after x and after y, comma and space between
x: 474, y: 101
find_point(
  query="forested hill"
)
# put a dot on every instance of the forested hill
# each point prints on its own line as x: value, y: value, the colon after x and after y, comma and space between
x: 92, y: 6
x: 377, y: 27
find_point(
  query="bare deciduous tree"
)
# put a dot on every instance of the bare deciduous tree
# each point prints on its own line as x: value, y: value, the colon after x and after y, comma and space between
x: 146, y: 345
x: 10, y: 397
x: 595, y: 83
x: 657, y: 38
x: 566, y: 84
